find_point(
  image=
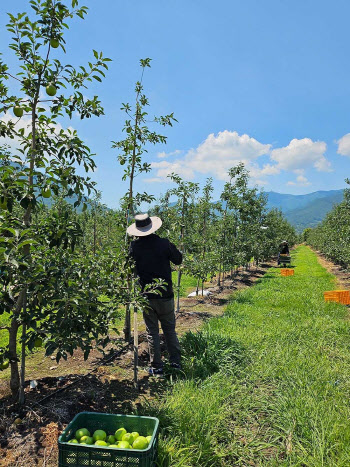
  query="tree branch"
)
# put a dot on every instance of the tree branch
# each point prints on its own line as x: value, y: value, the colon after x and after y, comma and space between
x: 9, y: 74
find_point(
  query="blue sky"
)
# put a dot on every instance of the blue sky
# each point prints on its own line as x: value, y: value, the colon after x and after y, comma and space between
x: 266, y: 83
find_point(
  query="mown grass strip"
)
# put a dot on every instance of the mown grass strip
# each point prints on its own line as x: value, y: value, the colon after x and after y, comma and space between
x: 284, y: 399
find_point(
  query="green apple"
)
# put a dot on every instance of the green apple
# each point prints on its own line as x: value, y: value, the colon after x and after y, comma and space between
x: 51, y: 89
x: 46, y: 192
x: 140, y: 443
x: 18, y: 111
x: 128, y: 437
x: 113, y: 446
x: 110, y: 439
x: 73, y: 441
x: 120, y: 433
x: 100, y: 442
x: 54, y: 43
x: 4, y: 365
x: 124, y: 445
x: 86, y: 440
x: 99, y: 435
x: 149, y: 438
x: 82, y: 432
x: 135, y: 435
x: 38, y: 342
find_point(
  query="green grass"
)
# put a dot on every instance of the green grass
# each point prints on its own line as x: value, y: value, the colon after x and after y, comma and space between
x: 188, y: 284
x: 4, y: 321
x: 284, y: 399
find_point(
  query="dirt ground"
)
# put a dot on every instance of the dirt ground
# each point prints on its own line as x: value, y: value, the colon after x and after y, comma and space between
x: 28, y: 435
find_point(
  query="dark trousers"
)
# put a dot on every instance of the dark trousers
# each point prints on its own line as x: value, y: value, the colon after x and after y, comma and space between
x: 162, y: 310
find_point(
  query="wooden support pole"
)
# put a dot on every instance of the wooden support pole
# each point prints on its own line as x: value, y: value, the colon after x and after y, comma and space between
x: 136, y: 349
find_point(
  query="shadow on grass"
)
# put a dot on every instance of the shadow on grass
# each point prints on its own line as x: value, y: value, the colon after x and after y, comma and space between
x: 206, y: 353
x: 266, y: 277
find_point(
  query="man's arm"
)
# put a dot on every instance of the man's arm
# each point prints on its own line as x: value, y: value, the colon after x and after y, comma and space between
x: 175, y: 255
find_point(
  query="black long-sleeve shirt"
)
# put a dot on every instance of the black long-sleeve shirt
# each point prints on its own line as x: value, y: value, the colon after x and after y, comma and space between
x: 284, y: 250
x: 152, y: 256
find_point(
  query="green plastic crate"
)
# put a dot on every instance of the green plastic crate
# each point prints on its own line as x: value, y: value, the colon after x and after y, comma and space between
x: 285, y: 259
x: 78, y: 455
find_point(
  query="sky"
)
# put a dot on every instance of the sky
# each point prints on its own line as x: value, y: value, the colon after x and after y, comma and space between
x: 264, y: 83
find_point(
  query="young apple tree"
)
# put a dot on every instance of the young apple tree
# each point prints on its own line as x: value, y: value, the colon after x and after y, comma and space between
x: 44, y: 288
x: 133, y: 147
x: 184, y: 209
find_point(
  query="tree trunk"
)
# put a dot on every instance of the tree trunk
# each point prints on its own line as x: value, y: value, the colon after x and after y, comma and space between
x: 15, y: 381
x: 178, y: 290
x: 94, y: 233
x: 197, y: 288
x: 23, y: 365
x: 127, y: 324
x: 136, y: 349
x: 182, y: 251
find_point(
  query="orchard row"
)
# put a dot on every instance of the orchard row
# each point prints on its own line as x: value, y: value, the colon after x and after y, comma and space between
x: 64, y: 275
x: 332, y: 236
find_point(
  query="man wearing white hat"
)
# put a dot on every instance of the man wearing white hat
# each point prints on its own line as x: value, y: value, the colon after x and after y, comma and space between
x: 283, y: 250
x: 152, y: 255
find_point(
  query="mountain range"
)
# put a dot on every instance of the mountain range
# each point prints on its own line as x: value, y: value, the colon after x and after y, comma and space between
x: 304, y: 211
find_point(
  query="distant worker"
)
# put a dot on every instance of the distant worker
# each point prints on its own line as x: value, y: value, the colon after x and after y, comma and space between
x: 152, y: 255
x: 283, y: 250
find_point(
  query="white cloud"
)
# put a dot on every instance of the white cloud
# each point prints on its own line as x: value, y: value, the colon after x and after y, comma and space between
x: 154, y: 180
x: 344, y: 145
x: 302, y: 153
x: 269, y: 169
x: 323, y: 165
x: 164, y: 168
x: 22, y: 123
x: 261, y: 182
x: 216, y: 155
x: 301, y: 180
x: 219, y: 152
x: 163, y: 155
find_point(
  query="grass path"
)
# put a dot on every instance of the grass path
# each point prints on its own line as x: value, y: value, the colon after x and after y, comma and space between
x: 267, y: 384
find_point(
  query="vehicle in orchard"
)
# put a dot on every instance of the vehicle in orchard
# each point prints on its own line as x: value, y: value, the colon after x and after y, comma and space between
x: 284, y: 260
x: 283, y: 254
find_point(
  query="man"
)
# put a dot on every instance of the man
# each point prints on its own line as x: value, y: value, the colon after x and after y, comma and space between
x: 152, y: 256
x: 283, y: 250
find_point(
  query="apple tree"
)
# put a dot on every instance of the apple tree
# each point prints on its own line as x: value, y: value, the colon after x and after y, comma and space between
x: 138, y: 137
x: 46, y: 288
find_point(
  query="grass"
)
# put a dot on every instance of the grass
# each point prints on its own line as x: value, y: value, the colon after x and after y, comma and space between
x: 283, y: 400
x: 188, y: 284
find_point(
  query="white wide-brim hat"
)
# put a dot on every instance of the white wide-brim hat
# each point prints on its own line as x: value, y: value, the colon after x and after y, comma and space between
x: 144, y: 225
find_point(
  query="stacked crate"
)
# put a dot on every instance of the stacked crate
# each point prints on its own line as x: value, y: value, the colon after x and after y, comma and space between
x: 339, y: 296
x: 287, y: 272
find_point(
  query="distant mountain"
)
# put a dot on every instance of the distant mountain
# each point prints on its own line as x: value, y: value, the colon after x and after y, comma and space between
x: 304, y: 211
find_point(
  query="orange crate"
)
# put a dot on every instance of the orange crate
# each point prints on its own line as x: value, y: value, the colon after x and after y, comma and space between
x: 339, y: 296
x: 344, y: 297
x: 287, y: 272
x: 331, y: 296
